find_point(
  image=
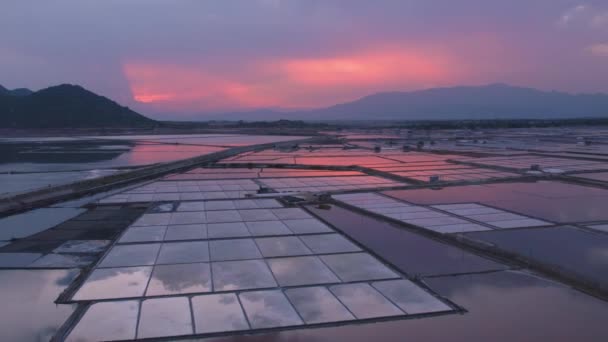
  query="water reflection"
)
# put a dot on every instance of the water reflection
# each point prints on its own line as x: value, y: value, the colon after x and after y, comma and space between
x: 218, y: 312
x: 28, y: 311
x: 83, y: 246
x: 357, y: 267
x: 164, y: 317
x: 410, y: 252
x: 237, y: 249
x: 239, y: 275
x: 296, y: 271
x: 317, y: 305
x: 63, y: 261
x: 107, y: 321
x: 502, y: 306
x: 34, y: 221
x: 553, y: 201
x: 573, y: 250
x: 94, y: 156
x: 132, y: 255
x: 115, y: 283
x: 43, y: 154
x: 281, y: 246
x: 364, y: 301
x: 183, y: 252
x: 176, y: 279
x: 409, y: 297
x: 266, y: 309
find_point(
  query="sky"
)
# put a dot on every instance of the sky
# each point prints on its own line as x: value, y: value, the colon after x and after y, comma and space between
x: 172, y: 59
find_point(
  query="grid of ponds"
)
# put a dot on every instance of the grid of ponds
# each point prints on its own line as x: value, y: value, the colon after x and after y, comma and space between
x: 496, y: 218
x: 553, y: 201
x: 174, y: 190
x: 568, y: 248
x: 201, y: 254
x: 410, y: 167
x: 252, y: 173
x: 185, y: 190
x: 446, y: 218
x: 457, y: 174
x: 413, y: 165
x: 547, y: 164
x: 328, y: 183
x: 218, y: 269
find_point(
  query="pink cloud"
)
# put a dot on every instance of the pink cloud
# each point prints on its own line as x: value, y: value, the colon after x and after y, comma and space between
x: 286, y: 82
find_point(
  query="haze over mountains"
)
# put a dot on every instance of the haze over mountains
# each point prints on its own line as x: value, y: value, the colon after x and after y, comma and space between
x: 73, y: 106
x: 495, y: 101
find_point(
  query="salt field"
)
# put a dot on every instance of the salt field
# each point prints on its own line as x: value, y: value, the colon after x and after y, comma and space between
x: 31, y: 163
x: 343, y: 236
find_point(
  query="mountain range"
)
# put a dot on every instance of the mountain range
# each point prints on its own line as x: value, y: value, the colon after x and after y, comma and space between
x: 494, y: 101
x: 67, y: 105
x: 64, y: 106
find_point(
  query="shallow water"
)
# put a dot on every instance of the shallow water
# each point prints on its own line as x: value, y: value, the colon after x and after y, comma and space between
x: 412, y: 253
x: 28, y: 311
x: 34, y: 221
x: 573, y: 250
x: 553, y: 201
x: 31, y: 163
x: 502, y: 306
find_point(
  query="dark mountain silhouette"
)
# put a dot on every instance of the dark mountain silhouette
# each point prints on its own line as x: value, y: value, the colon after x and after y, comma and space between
x: 21, y: 92
x: 15, y: 92
x: 495, y: 101
x: 64, y: 106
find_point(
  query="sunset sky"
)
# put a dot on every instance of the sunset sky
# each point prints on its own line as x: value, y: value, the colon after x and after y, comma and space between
x: 175, y: 58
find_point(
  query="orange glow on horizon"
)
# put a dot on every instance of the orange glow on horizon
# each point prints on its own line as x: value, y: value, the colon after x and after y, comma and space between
x: 149, y: 98
x: 297, y: 82
x: 180, y: 86
x: 373, y: 68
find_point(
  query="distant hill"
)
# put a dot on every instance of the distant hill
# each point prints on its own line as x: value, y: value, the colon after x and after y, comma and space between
x: 15, y: 92
x: 64, y: 106
x: 495, y: 101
